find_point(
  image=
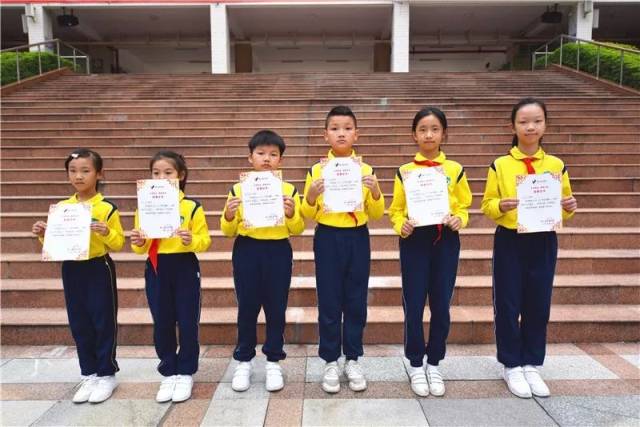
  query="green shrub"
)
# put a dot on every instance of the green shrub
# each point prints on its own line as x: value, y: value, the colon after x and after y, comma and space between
x: 28, y: 65
x: 609, y: 62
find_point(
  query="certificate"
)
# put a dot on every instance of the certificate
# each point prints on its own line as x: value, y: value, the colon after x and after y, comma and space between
x: 262, y: 203
x: 158, y: 207
x: 68, y: 233
x: 427, y: 195
x: 342, y: 184
x: 539, y: 206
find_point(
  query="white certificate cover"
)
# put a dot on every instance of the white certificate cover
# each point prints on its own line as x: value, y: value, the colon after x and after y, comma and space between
x: 427, y: 195
x: 262, y: 203
x: 342, y: 184
x: 68, y: 233
x: 539, y: 206
x: 159, y: 207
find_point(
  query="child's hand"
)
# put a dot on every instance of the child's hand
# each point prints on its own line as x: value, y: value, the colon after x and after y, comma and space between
x: 569, y: 204
x: 453, y: 222
x: 185, y: 236
x: 289, y: 206
x: 371, y: 183
x: 231, y: 208
x: 507, y: 205
x: 315, y: 189
x: 138, y: 238
x: 100, y: 228
x: 407, y: 228
x: 38, y: 228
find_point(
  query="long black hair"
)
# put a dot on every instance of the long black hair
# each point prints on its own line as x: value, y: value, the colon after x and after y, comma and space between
x: 428, y: 111
x: 523, y: 102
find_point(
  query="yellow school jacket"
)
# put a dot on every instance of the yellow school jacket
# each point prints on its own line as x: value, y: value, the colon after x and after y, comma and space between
x: 102, y: 210
x: 292, y: 226
x: 501, y: 183
x: 459, y: 192
x: 191, y: 218
x: 373, y: 209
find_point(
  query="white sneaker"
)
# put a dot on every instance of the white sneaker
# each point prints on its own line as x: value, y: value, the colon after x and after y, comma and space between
x: 353, y: 371
x: 165, y: 392
x: 87, y: 385
x: 182, y: 389
x: 274, y: 379
x: 242, y: 377
x: 331, y: 378
x: 516, y: 382
x: 538, y: 387
x: 436, y: 383
x: 103, y: 389
x: 419, y: 383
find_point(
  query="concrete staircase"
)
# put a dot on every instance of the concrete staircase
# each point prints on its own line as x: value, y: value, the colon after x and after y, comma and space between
x: 126, y: 118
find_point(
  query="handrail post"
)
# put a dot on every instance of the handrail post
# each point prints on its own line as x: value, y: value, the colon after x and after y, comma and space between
x: 58, y: 53
x: 578, y: 57
x: 86, y: 59
x: 74, y: 60
x: 39, y: 60
x: 561, y: 37
x: 621, y: 65
x: 598, y: 64
x: 546, y: 54
x: 18, y: 65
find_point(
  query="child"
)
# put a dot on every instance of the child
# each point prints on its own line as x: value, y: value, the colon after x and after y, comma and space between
x: 172, y: 282
x: 89, y: 286
x: 342, y: 257
x: 262, y: 262
x: 429, y: 255
x: 523, y: 264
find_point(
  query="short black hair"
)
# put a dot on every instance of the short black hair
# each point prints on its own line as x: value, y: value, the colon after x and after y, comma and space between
x: 524, y: 102
x: 266, y: 137
x: 85, y: 153
x: 429, y: 111
x: 178, y: 162
x: 340, y: 110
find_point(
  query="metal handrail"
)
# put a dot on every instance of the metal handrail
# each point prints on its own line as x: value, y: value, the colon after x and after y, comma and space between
x: 58, y: 43
x: 561, y: 38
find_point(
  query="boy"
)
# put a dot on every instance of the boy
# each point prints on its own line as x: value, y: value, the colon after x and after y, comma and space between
x: 342, y: 257
x: 262, y: 261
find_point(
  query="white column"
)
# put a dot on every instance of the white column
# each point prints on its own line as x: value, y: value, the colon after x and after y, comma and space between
x: 220, y: 52
x: 581, y: 20
x: 39, y: 24
x: 400, y: 37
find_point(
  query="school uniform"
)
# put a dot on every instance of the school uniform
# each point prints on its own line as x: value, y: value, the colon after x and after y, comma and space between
x: 262, y: 265
x: 91, y: 293
x: 429, y: 262
x: 172, y: 284
x: 342, y: 260
x: 523, y: 264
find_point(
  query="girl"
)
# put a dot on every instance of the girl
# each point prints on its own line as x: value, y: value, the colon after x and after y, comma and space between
x: 172, y: 281
x: 429, y: 255
x: 90, y: 286
x: 523, y: 264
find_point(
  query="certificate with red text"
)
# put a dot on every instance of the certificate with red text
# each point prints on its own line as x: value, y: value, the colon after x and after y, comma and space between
x: 539, y: 207
x: 427, y: 195
x: 158, y: 207
x: 262, y: 202
x: 68, y: 233
x: 342, y: 184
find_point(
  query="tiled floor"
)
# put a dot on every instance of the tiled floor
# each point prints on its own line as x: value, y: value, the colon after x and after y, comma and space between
x: 591, y: 384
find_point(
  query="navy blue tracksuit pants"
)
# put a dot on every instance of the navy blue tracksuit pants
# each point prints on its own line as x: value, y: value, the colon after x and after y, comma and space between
x: 173, y: 294
x: 429, y: 268
x: 523, y: 270
x: 343, y: 260
x: 262, y: 277
x: 91, y: 297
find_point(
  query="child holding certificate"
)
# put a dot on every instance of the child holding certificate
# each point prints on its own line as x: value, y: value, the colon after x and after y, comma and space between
x: 524, y: 263
x: 90, y: 286
x: 429, y: 244
x: 172, y: 281
x: 341, y: 246
x: 262, y: 256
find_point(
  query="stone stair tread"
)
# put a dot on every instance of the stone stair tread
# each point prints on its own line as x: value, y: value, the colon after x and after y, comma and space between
x: 308, y: 282
x: 308, y: 315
